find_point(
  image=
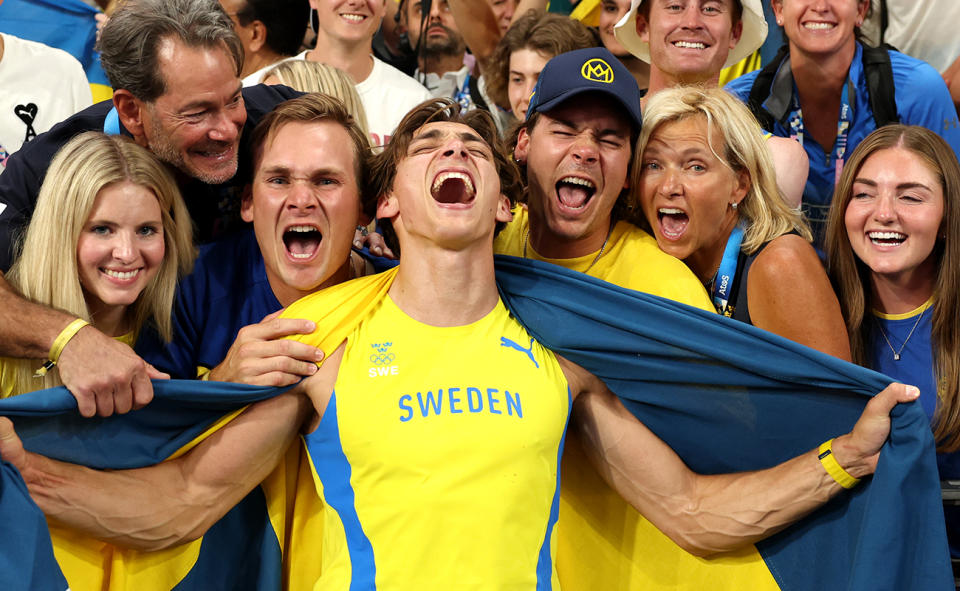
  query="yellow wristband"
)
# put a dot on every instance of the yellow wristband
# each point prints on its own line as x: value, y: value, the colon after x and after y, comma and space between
x: 833, y: 467
x: 58, y: 344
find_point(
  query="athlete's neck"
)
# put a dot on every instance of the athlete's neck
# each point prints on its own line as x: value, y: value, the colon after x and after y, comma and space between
x: 355, y: 59
x: 443, y: 287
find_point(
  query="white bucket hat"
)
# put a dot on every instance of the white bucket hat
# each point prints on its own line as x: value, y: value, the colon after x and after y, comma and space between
x: 754, y: 32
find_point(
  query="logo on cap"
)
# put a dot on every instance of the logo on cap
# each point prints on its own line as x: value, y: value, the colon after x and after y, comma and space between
x: 597, y: 70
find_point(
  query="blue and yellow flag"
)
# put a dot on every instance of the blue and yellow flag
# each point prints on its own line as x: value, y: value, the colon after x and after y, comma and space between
x: 726, y: 396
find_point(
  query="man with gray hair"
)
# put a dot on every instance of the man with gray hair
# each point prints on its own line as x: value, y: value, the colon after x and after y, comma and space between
x: 174, y: 66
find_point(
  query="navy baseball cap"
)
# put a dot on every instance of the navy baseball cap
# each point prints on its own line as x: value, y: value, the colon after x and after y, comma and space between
x: 585, y: 70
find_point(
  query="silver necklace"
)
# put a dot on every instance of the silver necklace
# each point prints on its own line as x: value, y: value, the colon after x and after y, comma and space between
x: 897, y: 352
x: 526, y: 240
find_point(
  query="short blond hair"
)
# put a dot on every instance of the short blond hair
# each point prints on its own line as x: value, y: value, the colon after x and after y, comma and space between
x: 744, y: 150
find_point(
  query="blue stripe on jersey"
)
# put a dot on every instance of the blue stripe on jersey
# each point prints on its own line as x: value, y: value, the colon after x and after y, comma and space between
x: 334, y: 472
x: 545, y: 562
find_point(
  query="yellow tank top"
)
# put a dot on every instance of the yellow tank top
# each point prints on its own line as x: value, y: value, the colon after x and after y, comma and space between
x: 437, y: 457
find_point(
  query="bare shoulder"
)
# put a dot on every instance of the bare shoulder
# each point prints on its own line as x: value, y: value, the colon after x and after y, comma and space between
x: 786, y: 256
x: 319, y: 386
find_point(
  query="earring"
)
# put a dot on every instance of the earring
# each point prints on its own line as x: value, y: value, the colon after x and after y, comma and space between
x: 779, y: 22
x: 734, y: 206
x: 314, y: 20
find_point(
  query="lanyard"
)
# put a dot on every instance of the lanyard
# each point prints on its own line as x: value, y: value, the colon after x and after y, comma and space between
x: 843, y: 126
x: 723, y: 281
x: 462, y: 96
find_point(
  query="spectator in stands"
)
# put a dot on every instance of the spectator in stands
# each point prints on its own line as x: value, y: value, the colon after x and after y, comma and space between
x: 575, y: 149
x: 503, y: 11
x: 344, y: 40
x: 817, y: 92
x: 692, y: 45
x: 893, y: 245
x: 310, y: 160
x: 270, y: 31
x: 41, y: 87
x: 441, y: 50
x: 611, y: 13
x: 316, y: 77
x: 706, y: 186
x: 174, y: 66
x: 109, y: 238
x: 533, y: 40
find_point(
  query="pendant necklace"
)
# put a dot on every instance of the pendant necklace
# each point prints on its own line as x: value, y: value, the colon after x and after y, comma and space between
x: 897, y: 352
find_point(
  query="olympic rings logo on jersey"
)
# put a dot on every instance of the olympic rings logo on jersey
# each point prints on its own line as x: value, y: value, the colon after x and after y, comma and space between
x: 382, y: 355
x: 382, y: 358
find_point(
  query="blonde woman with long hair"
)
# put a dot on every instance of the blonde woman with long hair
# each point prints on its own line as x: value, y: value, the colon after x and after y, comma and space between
x: 108, y: 239
x: 708, y: 190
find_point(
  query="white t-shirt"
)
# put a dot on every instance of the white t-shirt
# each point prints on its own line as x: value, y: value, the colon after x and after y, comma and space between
x: 924, y: 29
x: 387, y: 95
x: 40, y: 86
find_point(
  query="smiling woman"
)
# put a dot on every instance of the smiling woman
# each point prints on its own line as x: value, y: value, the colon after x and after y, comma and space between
x: 107, y: 241
x: 894, y: 251
x: 707, y: 189
x: 893, y: 243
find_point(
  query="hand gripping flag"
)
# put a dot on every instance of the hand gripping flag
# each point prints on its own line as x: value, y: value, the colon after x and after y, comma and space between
x: 726, y: 396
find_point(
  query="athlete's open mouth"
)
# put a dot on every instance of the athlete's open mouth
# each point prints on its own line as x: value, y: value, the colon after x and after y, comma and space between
x: 302, y: 241
x: 453, y: 187
x: 673, y: 221
x: 887, y: 238
x: 575, y: 192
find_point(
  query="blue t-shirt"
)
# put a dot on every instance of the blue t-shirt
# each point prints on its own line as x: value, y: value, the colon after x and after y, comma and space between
x: 922, y: 99
x: 227, y: 290
x: 915, y: 366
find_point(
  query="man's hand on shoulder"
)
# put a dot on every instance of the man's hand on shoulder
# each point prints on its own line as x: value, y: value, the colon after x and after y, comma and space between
x: 105, y: 375
x: 262, y: 356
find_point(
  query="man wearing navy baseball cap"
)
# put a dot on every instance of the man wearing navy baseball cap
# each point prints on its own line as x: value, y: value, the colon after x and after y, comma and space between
x: 576, y: 147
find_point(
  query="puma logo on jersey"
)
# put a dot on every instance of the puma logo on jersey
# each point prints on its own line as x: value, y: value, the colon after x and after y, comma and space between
x: 505, y: 342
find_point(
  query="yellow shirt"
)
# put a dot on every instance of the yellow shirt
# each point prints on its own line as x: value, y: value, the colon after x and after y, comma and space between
x: 602, y: 541
x: 631, y: 259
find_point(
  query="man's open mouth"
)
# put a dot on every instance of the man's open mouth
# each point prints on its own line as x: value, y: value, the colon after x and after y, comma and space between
x: 453, y: 187
x: 302, y: 242
x: 575, y: 192
x: 673, y: 222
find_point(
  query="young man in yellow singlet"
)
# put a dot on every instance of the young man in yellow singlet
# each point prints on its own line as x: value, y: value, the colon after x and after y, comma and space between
x: 439, y: 468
